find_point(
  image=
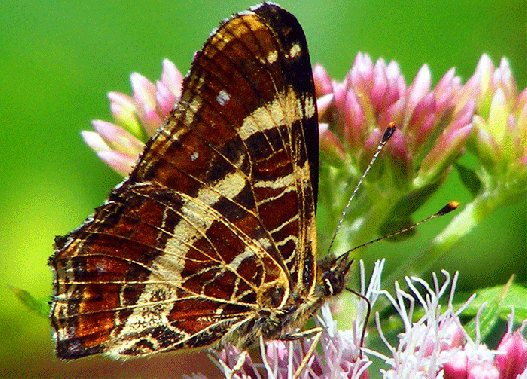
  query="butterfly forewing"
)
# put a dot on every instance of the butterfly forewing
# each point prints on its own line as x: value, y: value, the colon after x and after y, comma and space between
x: 215, y: 228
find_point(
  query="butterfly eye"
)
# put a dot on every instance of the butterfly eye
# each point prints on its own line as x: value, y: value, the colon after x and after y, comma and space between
x: 333, y: 281
x: 328, y: 286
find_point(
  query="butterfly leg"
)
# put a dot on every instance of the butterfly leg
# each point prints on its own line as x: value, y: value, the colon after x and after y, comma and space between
x: 316, y: 333
x: 264, y: 358
x: 227, y: 371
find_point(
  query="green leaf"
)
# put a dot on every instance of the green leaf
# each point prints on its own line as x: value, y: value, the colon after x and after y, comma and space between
x: 499, y: 301
x: 40, y: 307
x: 400, y: 216
x: 468, y: 178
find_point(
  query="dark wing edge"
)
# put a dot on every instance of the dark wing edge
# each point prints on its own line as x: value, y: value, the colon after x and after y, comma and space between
x: 300, y: 76
x: 298, y: 73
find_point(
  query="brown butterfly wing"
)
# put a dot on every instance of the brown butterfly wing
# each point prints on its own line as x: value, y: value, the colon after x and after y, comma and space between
x: 216, y: 222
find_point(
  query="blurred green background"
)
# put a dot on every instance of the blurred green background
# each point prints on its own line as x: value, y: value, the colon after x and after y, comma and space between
x: 58, y: 60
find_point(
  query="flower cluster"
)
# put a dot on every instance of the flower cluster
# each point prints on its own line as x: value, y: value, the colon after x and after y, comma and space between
x: 437, y: 346
x: 434, y: 346
x: 136, y: 118
x: 500, y: 138
x: 487, y: 116
x: 500, y: 123
x: 433, y: 126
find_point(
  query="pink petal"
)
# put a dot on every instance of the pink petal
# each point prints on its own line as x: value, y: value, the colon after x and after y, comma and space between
x: 514, y: 360
x: 396, y: 84
x: 457, y: 366
x: 418, y: 89
x: 94, y: 140
x: 118, y: 138
x: 379, y: 87
x: 445, y: 90
x: 354, y: 121
x: 124, y: 112
x: 323, y: 104
x: 166, y: 100
x: 323, y: 83
x: 361, y: 74
x: 145, y: 100
x: 119, y: 162
x: 172, y: 78
x: 483, y: 370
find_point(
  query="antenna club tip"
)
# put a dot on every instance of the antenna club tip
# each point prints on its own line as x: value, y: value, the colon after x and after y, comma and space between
x: 448, y: 208
x: 388, y: 132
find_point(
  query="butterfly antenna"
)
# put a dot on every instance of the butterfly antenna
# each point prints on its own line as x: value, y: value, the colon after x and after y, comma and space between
x: 443, y: 211
x: 384, y: 140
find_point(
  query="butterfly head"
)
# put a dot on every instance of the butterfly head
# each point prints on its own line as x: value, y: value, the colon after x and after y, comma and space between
x: 332, y: 274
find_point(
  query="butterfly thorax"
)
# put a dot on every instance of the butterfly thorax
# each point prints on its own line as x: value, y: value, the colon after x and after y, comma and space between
x: 280, y: 323
x: 330, y: 281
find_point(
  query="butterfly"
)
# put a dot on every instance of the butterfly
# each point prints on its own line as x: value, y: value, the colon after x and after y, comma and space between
x: 212, y: 237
